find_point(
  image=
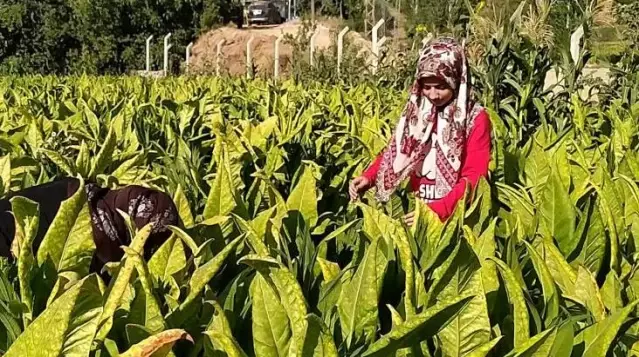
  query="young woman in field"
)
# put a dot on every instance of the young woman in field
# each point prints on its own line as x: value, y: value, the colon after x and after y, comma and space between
x: 109, y: 229
x: 442, y: 140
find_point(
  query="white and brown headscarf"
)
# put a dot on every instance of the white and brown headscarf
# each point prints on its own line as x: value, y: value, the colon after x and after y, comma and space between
x: 414, y: 136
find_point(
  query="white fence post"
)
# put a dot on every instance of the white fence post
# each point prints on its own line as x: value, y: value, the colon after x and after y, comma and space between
x: 249, y: 58
x: 148, y: 53
x: 376, y: 45
x: 217, y: 57
x: 575, y: 39
x: 276, y: 70
x: 167, y: 46
x: 312, y: 48
x: 340, y: 48
x: 188, y: 55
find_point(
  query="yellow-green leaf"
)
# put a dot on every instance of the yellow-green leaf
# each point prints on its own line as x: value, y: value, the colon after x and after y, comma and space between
x: 183, y: 207
x: 319, y: 342
x: 5, y: 174
x: 516, y: 297
x: 419, y: 328
x: 221, y: 199
x: 357, y: 305
x: 303, y: 198
x: 66, y: 327
x: 68, y: 243
x: 120, y: 283
x: 27, y: 217
x: 271, y: 329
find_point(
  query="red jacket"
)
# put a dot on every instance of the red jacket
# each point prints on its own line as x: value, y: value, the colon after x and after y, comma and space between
x: 475, y: 160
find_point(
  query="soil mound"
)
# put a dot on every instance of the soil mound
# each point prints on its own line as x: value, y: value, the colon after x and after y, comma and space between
x: 233, y: 50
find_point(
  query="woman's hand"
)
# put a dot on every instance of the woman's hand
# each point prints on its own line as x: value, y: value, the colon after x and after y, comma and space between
x: 409, y: 218
x: 358, y: 185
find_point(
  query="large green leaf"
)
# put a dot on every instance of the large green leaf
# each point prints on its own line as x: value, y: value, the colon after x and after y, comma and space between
x: 105, y: 155
x: 119, y: 285
x: 376, y: 224
x: 557, y: 214
x: 593, y: 249
x: 271, y: 329
x: 220, y: 337
x: 318, y: 342
x: 67, y: 327
x: 145, y: 309
x: 561, y: 271
x: 63, y: 163
x: 5, y: 174
x: 183, y: 207
x: 551, y: 295
x: 460, y: 276
x: 201, y: 276
x: 27, y: 217
x: 587, y: 293
x: 357, y: 305
x: 292, y: 297
x: 303, y: 198
x: 537, y: 346
x: 421, y: 327
x: 484, y: 350
x: 599, y: 337
x: 68, y: 243
x: 611, y: 292
x: 221, y: 199
x: 485, y: 247
x: 225, y: 343
x: 516, y: 297
x: 169, y: 259
x: 290, y: 294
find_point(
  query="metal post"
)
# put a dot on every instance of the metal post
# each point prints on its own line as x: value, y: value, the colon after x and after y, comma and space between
x: 369, y: 16
x: 217, y: 56
x: 288, y: 18
x: 295, y: 8
x: 148, y: 53
x: 167, y: 46
x: 575, y: 39
x: 340, y: 48
x: 380, y: 43
x: 276, y: 70
x: 376, y: 44
x: 375, y: 32
x: 188, y: 55
x: 312, y: 48
x: 249, y: 58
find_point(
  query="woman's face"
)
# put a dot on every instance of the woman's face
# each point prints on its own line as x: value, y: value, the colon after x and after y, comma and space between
x: 436, y: 90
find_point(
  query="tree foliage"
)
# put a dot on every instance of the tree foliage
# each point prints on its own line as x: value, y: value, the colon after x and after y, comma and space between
x: 100, y: 36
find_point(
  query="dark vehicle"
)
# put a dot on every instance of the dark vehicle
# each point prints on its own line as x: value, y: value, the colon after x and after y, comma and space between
x: 264, y: 13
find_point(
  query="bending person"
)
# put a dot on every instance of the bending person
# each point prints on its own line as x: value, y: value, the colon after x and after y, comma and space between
x: 110, y: 232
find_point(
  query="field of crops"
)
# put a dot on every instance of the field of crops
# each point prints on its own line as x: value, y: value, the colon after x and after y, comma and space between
x: 273, y: 259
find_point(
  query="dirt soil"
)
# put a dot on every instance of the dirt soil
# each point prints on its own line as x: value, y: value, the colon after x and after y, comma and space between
x: 233, y: 58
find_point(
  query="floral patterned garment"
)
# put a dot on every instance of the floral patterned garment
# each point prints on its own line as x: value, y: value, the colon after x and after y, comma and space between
x: 422, y: 127
x: 142, y: 204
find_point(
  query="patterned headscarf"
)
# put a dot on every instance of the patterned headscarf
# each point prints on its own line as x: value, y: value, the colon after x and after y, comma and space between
x: 414, y: 136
